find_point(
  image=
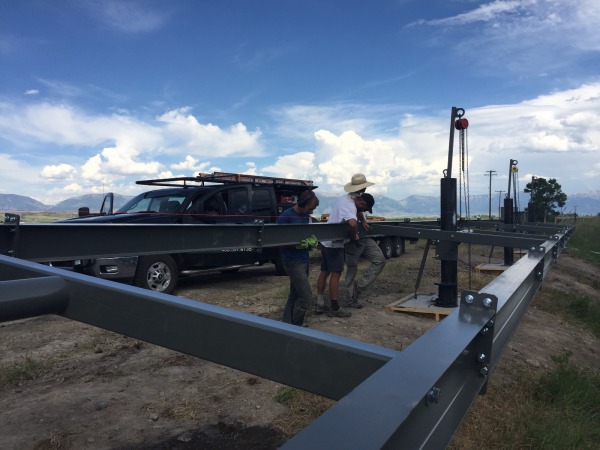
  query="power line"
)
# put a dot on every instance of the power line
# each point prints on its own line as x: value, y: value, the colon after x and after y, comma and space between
x: 499, y: 207
x: 490, y: 173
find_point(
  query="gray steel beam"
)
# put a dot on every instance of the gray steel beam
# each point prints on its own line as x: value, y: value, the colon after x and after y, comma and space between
x: 54, y: 242
x: 33, y: 297
x: 317, y: 362
x: 466, y: 237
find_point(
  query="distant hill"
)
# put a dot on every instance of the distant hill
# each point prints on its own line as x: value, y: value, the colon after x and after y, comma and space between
x: 13, y: 202
x: 413, y: 205
x: 585, y: 204
x: 92, y: 201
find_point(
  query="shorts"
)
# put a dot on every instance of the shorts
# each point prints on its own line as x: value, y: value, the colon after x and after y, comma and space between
x: 332, y: 259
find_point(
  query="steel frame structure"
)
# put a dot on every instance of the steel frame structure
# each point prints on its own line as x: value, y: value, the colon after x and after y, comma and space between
x: 415, y: 398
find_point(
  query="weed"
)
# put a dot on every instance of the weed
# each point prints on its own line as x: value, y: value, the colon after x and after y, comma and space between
x: 26, y: 369
x: 286, y: 395
x: 576, y: 309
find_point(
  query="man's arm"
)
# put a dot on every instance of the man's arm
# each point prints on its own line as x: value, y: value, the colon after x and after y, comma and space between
x: 353, y: 224
x: 363, y: 220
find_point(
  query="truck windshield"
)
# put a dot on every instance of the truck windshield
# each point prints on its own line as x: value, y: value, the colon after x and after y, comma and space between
x: 144, y: 203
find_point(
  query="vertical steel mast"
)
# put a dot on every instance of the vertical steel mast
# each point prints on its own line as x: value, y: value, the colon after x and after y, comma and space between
x: 448, y: 251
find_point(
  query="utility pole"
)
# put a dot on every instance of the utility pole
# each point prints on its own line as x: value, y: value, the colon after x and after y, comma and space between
x: 499, y: 208
x: 490, y: 173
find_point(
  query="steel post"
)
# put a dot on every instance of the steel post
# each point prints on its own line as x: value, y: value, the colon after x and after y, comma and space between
x: 447, y: 288
x: 509, y: 257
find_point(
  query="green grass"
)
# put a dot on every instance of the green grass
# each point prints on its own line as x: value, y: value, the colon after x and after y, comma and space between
x: 576, y: 309
x: 566, y: 408
x: 44, y: 216
x: 286, y: 395
x: 585, y: 242
x: 26, y: 369
x: 558, y: 409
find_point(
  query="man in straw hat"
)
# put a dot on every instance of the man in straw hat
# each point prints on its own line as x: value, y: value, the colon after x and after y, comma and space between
x: 332, y: 264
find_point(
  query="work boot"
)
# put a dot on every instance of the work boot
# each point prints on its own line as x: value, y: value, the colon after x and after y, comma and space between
x: 339, y: 313
x: 353, y: 301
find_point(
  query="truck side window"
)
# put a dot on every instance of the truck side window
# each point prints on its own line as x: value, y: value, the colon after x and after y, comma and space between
x: 262, y: 204
x: 203, y: 209
x: 237, y: 201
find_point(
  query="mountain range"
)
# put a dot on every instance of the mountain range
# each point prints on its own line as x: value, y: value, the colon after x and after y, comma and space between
x: 414, y: 205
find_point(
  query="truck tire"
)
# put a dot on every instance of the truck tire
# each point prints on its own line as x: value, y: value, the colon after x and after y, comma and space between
x: 158, y: 273
x: 386, y: 247
x: 397, y: 247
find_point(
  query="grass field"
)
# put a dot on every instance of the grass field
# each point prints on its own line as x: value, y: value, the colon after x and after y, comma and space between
x: 585, y: 242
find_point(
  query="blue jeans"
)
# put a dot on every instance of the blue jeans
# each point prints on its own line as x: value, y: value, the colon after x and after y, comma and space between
x: 300, y: 295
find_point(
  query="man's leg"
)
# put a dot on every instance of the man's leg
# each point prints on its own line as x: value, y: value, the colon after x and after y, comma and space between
x: 300, y: 291
x: 374, y: 255
x: 321, y: 305
x: 335, y: 261
x: 289, y: 305
x: 352, y: 257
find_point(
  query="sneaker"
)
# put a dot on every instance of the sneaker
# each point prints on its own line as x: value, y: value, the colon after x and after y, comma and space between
x: 352, y: 304
x: 340, y: 313
x: 320, y: 309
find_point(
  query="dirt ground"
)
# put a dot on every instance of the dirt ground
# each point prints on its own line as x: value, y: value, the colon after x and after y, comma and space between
x: 99, y: 390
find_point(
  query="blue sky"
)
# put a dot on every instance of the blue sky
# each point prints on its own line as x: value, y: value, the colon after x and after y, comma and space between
x: 97, y: 94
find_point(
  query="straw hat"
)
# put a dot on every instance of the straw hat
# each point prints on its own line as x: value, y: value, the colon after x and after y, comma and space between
x: 358, y: 183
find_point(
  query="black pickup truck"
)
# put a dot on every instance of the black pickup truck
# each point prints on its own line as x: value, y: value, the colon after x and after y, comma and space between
x: 214, y: 198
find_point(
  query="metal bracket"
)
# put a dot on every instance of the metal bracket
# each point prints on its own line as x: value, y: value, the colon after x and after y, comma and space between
x: 259, y: 239
x: 446, y: 250
x: 14, y: 220
x: 539, y: 271
x: 476, y: 307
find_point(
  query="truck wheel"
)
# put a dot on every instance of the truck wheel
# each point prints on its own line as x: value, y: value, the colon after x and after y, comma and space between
x: 157, y: 273
x: 386, y: 247
x: 397, y: 247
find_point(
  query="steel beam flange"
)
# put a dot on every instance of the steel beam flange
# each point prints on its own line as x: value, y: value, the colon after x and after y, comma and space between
x: 13, y: 220
x: 259, y: 240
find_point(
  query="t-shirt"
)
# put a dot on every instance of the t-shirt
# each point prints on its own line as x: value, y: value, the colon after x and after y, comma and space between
x: 343, y: 209
x: 291, y: 216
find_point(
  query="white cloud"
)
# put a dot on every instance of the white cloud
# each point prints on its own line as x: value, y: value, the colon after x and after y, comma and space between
x: 191, y: 164
x: 75, y: 188
x: 126, y: 16
x: 483, y: 13
x: 556, y: 134
x: 523, y: 37
x: 32, y: 92
x: 298, y: 165
x: 185, y: 132
x: 58, y: 172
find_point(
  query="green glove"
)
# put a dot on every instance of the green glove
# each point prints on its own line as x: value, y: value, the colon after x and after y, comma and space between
x: 309, y: 242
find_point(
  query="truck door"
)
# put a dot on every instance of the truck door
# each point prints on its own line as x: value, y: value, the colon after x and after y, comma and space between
x: 223, y: 205
x: 263, y: 204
